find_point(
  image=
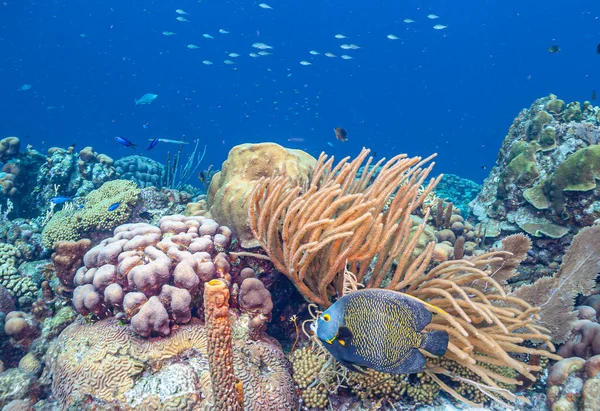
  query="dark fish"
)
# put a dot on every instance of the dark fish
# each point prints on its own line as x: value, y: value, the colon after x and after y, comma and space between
x: 340, y: 134
x: 124, y: 142
x: 598, y: 49
x: 153, y: 144
x: 483, y: 167
x: 145, y: 215
x: 593, y: 94
x: 380, y: 329
x: 60, y: 199
x: 114, y: 206
x: 554, y: 49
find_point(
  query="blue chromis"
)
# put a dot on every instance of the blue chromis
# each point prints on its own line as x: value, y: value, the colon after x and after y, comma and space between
x: 114, y: 206
x: 381, y: 330
x: 60, y: 199
x: 124, y: 142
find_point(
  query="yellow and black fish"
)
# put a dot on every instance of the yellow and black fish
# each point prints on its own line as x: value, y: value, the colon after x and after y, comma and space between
x: 381, y: 330
x: 554, y: 49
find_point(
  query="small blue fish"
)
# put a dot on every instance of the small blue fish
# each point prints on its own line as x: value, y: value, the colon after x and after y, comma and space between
x: 124, y: 142
x: 114, y: 206
x: 146, y: 126
x: 153, y: 144
x: 60, y: 199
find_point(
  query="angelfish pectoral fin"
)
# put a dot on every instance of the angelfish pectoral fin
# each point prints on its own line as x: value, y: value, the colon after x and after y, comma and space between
x: 344, y: 334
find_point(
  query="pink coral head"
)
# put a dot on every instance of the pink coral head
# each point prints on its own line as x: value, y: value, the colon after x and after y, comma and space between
x: 151, y: 319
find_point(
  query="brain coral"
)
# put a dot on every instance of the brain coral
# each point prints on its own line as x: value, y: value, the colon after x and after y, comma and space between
x: 245, y: 165
x: 74, y: 224
x: 151, y: 276
x: 104, y: 363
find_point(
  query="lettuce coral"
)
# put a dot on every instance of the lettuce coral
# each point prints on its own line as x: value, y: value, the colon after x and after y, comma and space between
x: 578, y: 172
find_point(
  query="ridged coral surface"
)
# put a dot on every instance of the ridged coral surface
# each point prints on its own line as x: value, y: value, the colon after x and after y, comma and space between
x: 105, y: 363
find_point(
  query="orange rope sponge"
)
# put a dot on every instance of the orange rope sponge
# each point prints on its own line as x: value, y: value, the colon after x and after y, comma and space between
x: 220, y: 350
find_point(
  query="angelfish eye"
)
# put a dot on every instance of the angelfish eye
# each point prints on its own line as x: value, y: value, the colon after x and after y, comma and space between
x: 326, y: 318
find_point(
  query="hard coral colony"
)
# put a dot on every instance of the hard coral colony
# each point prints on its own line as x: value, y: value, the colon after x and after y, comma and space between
x: 303, y: 283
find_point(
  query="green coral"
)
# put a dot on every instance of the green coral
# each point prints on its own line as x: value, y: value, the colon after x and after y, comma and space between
x: 537, y: 124
x: 578, y: 172
x: 555, y: 105
x: 573, y: 112
x: 72, y: 225
x: 21, y: 288
x: 521, y: 170
x: 547, y: 138
x: 307, y: 364
x: 544, y: 229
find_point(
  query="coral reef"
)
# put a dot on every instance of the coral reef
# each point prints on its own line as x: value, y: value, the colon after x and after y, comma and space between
x: 574, y: 384
x: 457, y: 190
x: 96, y: 215
x: 245, y: 165
x: 67, y: 258
x: 576, y: 275
x: 144, y: 171
x: 544, y: 182
x: 22, y: 288
x: 105, y: 363
x: 316, y: 234
x: 152, y: 276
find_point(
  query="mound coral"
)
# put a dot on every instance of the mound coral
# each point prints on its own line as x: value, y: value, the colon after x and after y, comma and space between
x: 105, y: 363
x: 73, y: 224
x: 245, y: 165
x: 312, y: 233
x: 144, y: 171
x: 151, y: 276
x: 574, y: 384
x: 9, y: 148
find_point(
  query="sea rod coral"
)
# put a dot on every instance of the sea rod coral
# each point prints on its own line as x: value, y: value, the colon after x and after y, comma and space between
x: 312, y: 233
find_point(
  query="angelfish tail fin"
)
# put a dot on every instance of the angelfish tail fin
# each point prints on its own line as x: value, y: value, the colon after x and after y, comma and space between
x: 435, y: 342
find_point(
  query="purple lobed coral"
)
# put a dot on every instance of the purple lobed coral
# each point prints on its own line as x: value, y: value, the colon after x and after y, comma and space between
x: 152, y: 276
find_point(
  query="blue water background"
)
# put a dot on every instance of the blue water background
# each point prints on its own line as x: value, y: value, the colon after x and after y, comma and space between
x: 453, y: 91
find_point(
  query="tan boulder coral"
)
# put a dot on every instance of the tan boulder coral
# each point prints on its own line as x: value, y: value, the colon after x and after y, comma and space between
x: 107, y: 366
x: 9, y: 148
x: 245, y: 165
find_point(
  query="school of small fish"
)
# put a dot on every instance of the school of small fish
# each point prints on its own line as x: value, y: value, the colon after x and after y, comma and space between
x: 185, y: 17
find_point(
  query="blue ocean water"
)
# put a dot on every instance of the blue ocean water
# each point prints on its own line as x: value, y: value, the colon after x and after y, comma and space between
x: 453, y: 91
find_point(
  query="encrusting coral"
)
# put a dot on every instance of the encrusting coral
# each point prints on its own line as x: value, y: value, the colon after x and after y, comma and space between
x: 312, y: 233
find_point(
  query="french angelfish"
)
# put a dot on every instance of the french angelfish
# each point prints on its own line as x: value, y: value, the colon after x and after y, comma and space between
x: 381, y: 330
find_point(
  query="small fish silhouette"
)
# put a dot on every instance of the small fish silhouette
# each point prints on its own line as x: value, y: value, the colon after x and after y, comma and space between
x: 153, y: 144
x: 124, y: 142
x: 60, y: 199
x: 340, y: 134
